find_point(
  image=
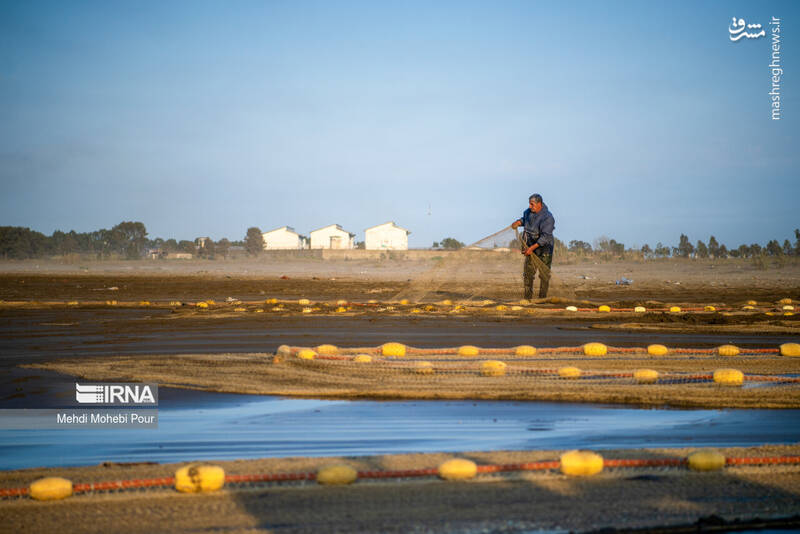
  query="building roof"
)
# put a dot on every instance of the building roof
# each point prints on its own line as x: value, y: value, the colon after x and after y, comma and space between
x: 287, y: 228
x: 337, y: 227
x: 390, y: 222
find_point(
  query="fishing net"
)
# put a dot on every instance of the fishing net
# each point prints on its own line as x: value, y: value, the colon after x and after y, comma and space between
x: 490, y: 268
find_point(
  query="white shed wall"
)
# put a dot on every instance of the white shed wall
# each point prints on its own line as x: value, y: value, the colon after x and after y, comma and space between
x: 322, y: 238
x: 282, y: 239
x: 386, y: 237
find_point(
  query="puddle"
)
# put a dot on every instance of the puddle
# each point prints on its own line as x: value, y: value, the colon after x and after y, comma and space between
x: 206, y: 426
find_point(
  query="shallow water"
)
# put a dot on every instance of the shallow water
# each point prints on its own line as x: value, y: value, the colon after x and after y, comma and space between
x: 207, y: 426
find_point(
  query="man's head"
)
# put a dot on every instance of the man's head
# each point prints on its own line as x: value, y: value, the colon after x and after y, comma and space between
x: 535, y: 202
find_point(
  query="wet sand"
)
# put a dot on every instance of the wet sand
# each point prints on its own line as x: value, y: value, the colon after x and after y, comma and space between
x: 59, y: 320
x: 162, y: 339
x: 258, y: 374
x: 519, y: 502
x: 483, y: 275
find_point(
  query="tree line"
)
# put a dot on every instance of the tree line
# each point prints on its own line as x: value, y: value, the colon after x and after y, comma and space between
x: 127, y: 240
x: 686, y: 249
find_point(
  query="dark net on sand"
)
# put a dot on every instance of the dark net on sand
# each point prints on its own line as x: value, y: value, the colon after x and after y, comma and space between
x: 467, y: 273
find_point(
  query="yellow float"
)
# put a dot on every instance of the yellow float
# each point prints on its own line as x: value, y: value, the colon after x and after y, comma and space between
x: 581, y: 463
x: 645, y: 376
x: 50, y: 489
x: 595, y: 349
x: 706, y: 460
x: 458, y: 469
x: 199, y: 478
x: 525, y: 350
x: 728, y: 377
x: 790, y: 349
x: 335, y: 475
x: 393, y: 349
x: 306, y: 354
x: 569, y: 372
x: 728, y: 350
x: 493, y: 368
x: 468, y: 350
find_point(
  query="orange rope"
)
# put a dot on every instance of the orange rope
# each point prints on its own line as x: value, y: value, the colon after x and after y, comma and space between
x: 13, y: 492
x: 406, y: 473
x: 766, y: 460
x: 511, y: 350
x: 667, y: 462
x: 531, y: 466
x: 269, y: 477
x: 123, y: 484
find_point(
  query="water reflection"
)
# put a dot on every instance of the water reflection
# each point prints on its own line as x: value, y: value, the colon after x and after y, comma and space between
x: 205, y: 426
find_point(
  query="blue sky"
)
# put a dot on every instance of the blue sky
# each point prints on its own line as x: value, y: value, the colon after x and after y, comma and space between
x: 635, y: 120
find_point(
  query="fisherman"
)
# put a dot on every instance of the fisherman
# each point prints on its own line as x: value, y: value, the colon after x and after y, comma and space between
x: 537, y: 240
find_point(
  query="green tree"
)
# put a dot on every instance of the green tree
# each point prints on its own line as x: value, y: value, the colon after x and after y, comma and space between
x: 787, y: 248
x: 774, y: 248
x: 207, y: 249
x: 797, y: 242
x: 661, y: 250
x: 448, y: 243
x: 186, y: 246
x: 702, y: 250
x: 156, y: 243
x: 602, y: 244
x: 63, y: 244
x: 559, y: 247
x: 646, y: 250
x: 100, y: 242
x: 713, y: 247
x: 21, y: 243
x: 254, y: 241
x: 581, y: 247
x: 222, y: 247
x: 684, y: 248
x: 85, y: 242
x: 129, y: 238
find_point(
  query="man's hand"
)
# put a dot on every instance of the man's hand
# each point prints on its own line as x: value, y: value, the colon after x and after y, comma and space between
x: 516, y: 224
x: 528, y: 251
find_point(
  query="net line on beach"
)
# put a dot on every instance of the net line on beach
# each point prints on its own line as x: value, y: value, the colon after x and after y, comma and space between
x: 524, y: 363
x: 465, y: 273
x: 293, y: 478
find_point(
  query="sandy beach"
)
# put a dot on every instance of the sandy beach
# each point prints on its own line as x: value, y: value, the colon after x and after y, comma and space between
x: 515, y: 502
x: 110, y: 321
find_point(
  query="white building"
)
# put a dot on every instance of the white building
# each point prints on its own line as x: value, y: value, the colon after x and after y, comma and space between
x: 283, y: 238
x: 386, y: 236
x: 332, y: 236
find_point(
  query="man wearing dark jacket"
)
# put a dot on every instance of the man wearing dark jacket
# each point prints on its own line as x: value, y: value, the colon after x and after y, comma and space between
x: 538, y: 239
